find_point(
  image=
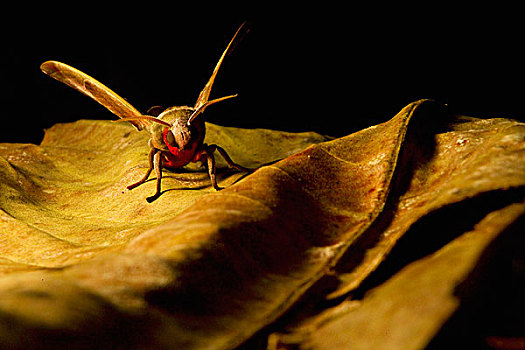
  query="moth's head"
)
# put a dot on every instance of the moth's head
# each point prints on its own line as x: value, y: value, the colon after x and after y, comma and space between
x: 181, y: 133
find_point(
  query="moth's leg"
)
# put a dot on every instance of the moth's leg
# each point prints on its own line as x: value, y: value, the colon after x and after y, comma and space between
x: 210, y: 164
x: 157, y: 164
x: 150, y: 161
x: 228, y: 160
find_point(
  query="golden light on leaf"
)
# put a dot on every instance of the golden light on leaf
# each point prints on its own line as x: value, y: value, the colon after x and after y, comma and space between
x: 341, y: 243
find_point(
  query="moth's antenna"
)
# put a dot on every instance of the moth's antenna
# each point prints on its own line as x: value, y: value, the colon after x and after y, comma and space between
x: 203, y: 107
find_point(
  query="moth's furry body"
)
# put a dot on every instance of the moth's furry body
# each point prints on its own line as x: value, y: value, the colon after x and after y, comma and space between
x: 179, y: 144
x: 182, y: 134
x: 177, y: 133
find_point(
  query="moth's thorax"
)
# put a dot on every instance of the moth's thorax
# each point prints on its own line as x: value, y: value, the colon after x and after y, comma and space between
x: 172, y: 114
x: 183, y: 135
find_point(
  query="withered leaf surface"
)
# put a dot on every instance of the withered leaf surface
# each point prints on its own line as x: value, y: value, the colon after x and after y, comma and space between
x: 66, y: 200
x: 410, y: 309
x: 85, y: 261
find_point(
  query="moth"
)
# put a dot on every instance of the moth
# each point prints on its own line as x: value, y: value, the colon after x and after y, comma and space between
x: 176, y: 133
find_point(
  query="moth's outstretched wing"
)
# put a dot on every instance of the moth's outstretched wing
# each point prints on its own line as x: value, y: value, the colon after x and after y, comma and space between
x: 202, y: 101
x: 94, y: 89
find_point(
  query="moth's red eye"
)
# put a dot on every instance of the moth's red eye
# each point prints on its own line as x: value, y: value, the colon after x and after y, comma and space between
x: 171, y: 139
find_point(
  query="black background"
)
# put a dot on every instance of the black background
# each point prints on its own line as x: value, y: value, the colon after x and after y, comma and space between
x: 333, y: 70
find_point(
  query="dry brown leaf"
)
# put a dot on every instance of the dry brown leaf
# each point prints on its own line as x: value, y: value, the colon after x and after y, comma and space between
x: 66, y: 200
x: 200, y: 269
x: 448, y: 178
x: 408, y: 310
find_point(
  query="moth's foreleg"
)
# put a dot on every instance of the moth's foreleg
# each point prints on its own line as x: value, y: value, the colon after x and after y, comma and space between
x: 150, y: 161
x: 157, y: 165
